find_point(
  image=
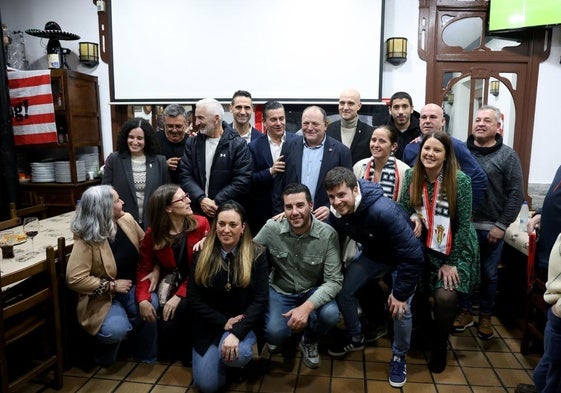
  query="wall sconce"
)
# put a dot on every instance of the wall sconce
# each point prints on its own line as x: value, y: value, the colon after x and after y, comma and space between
x: 450, y: 98
x: 89, y: 55
x: 494, y: 87
x: 396, y: 50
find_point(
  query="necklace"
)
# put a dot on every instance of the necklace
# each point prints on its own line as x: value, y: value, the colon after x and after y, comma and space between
x: 228, y: 286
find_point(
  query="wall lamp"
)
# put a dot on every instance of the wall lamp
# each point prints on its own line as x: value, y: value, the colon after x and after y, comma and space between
x: 89, y: 55
x: 396, y: 50
x: 494, y: 88
x: 450, y: 98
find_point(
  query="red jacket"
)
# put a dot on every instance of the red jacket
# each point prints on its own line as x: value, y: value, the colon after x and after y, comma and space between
x: 165, y: 259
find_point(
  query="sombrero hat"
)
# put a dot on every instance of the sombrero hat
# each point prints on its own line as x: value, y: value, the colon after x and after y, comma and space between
x: 53, y: 30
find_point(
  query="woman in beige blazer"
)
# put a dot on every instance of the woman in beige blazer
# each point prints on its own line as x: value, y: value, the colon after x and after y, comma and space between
x: 102, y: 269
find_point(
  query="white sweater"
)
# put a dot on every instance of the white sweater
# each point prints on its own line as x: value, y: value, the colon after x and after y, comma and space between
x: 552, y: 293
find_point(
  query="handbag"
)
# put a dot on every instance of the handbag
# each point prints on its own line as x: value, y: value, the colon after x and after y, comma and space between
x: 167, y: 287
x: 169, y: 284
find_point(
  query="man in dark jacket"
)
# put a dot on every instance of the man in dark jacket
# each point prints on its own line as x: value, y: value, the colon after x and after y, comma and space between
x: 216, y: 165
x: 308, y: 159
x: 360, y: 210
x: 350, y: 131
x: 405, y: 119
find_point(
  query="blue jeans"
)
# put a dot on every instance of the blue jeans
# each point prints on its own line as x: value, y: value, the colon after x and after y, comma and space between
x: 319, y: 321
x: 209, y: 370
x: 547, y: 375
x: 490, y: 255
x: 124, y: 316
x: 359, y: 272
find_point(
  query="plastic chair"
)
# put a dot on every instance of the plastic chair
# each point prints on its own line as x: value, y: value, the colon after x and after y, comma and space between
x: 31, y: 312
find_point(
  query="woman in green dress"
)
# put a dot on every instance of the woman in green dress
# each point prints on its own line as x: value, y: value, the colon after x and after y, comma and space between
x: 438, y: 197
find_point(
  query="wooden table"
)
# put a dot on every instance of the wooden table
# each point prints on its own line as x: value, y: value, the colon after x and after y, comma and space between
x: 50, y: 229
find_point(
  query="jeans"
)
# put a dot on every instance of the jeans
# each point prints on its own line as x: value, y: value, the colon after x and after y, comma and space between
x: 124, y: 316
x: 358, y: 273
x: 319, y: 321
x: 490, y: 255
x: 209, y: 370
x: 547, y: 375
x: 402, y: 328
x: 355, y: 278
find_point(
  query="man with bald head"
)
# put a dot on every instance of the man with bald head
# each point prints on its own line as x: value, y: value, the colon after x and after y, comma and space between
x: 432, y: 120
x: 350, y: 131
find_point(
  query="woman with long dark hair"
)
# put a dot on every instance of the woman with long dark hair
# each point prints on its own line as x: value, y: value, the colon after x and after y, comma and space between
x: 438, y: 196
x: 168, y: 247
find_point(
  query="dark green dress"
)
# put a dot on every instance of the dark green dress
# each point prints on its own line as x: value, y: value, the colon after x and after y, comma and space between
x: 465, y: 247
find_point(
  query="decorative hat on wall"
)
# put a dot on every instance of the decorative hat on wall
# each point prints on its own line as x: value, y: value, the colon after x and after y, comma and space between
x: 53, y: 30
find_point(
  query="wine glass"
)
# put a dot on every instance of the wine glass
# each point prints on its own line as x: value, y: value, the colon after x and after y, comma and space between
x: 31, y: 229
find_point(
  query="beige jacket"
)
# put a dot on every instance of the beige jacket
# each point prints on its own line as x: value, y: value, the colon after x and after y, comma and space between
x: 88, y: 264
x: 552, y: 293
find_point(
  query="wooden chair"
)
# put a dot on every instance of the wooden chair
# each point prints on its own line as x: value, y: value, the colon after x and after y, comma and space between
x: 39, y: 210
x: 536, y: 308
x: 31, y: 314
x: 7, y: 224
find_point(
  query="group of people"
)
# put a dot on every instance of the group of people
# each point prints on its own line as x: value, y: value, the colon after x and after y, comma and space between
x: 271, y: 237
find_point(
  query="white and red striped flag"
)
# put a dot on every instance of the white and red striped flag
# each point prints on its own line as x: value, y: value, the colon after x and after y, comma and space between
x: 31, y: 102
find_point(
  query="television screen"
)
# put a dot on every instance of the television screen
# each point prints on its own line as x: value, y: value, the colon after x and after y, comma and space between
x: 505, y: 15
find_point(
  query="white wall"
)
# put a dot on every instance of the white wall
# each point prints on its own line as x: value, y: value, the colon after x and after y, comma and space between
x: 80, y: 17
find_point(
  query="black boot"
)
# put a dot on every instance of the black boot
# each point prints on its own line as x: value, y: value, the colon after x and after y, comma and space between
x: 437, y: 363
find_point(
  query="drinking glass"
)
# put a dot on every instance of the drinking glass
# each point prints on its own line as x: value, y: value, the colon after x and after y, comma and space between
x: 31, y: 229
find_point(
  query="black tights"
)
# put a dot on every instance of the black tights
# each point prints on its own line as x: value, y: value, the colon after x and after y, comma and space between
x: 444, y: 313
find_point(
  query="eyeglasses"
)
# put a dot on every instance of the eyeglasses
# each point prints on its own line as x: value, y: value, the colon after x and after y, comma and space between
x: 182, y: 199
x: 176, y: 127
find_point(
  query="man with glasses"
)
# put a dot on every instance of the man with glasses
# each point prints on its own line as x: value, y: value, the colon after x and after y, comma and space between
x: 172, y: 139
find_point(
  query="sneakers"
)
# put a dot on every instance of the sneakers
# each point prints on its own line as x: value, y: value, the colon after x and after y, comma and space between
x: 484, y: 327
x: 310, y: 353
x: 348, y: 346
x: 377, y: 332
x: 398, y: 372
x: 463, y: 321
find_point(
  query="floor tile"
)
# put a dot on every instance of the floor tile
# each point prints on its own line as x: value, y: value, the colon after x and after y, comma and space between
x: 312, y: 384
x: 489, y: 389
x: 467, y: 343
x: 70, y: 384
x: 348, y: 369
x: 119, y: 370
x: 452, y: 375
x: 378, y: 387
x: 418, y: 373
x: 453, y: 389
x: 177, y: 376
x: 147, y: 373
x: 347, y: 385
x: 509, y: 332
x: 472, y: 359
x: 419, y: 388
x: 512, y: 377
x: 134, y: 387
x: 481, y: 376
x: 496, y: 345
x: 503, y: 360
x: 278, y: 383
x: 528, y: 361
x: 377, y: 371
x: 170, y: 389
x: 96, y: 385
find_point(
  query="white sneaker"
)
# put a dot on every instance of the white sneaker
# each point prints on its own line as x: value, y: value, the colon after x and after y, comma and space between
x: 310, y: 353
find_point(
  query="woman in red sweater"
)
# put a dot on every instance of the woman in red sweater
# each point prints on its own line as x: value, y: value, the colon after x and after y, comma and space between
x: 168, y: 245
